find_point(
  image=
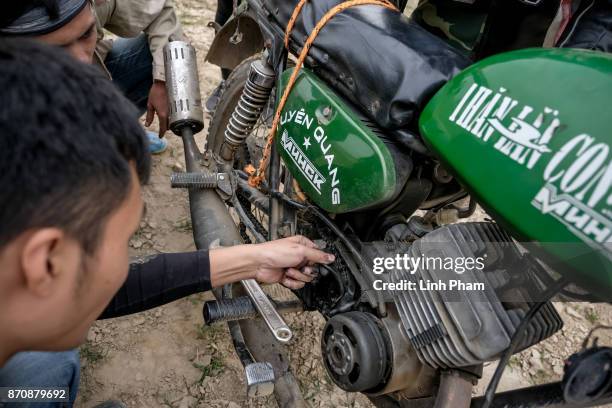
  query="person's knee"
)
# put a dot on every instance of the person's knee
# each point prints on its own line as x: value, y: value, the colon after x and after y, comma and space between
x: 36, y: 368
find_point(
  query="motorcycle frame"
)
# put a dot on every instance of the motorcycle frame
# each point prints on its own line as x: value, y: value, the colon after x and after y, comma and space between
x: 281, y: 215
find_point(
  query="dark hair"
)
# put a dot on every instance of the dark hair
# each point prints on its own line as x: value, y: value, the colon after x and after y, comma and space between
x: 67, y: 137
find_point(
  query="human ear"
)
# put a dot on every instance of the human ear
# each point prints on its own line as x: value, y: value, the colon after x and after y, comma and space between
x: 46, y: 254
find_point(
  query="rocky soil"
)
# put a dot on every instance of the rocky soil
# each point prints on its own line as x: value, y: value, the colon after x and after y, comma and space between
x: 166, y: 358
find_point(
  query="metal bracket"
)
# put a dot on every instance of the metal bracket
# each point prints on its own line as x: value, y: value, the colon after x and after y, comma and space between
x: 236, y: 38
x: 214, y: 25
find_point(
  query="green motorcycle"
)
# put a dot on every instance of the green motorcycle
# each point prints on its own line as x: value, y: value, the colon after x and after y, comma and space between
x: 378, y: 152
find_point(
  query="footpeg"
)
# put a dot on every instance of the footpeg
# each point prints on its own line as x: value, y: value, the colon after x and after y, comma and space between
x: 204, y: 180
x: 241, y: 308
x: 215, y: 311
x: 259, y: 379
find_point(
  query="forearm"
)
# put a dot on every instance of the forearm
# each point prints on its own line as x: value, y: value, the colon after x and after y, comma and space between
x: 159, y: 280
x: 232, y: 264
x: 165, y: 278
x: 168, y: 277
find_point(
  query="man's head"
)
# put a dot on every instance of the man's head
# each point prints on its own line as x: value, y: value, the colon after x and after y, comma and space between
x: 72, y: 158
x: 69, y: 24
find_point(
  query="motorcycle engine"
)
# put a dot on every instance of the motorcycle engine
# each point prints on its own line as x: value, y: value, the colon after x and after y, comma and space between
x: 425, y: 330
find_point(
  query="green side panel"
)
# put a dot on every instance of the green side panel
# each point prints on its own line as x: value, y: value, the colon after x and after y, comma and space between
x: 528, y: 133
x: 338, y: 161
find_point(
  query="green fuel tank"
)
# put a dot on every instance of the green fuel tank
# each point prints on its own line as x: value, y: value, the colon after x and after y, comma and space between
x: 528, y: 134
x: 339, y: 162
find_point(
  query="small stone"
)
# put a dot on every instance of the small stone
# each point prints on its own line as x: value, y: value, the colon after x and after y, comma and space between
x: 137, y: 243
x: 158, y: 313
x: 232, y: 404
x: 177, y: 167
x: 536, y: 354
x: 536, y: 364
x: 91, y: 336
x: 187, y: 402
x: 572, y: 312
x: 558, y: 369
x: 138, y: 321
x: 148, y: 235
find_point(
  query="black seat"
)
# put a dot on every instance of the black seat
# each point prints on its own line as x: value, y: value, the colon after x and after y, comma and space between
x: 378, y: 59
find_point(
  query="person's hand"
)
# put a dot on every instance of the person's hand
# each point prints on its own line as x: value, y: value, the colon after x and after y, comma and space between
x: 158, y: 103
x: 289, y: 261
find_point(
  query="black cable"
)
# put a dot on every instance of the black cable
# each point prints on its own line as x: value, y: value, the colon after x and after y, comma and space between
x: 585, y: 343
x: 516, y: 339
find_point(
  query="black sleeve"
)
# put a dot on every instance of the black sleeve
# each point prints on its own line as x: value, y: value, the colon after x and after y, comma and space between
x: 159, y: 280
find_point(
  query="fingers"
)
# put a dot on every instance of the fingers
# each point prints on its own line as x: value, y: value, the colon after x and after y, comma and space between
x: 150, y: 115
x: 317, y: 256
x: 163, y: 124
x: 292, y: 284
x: 302, y: 240
x: 310, y: 251
x: 297, y: 275
x: 296, y: 279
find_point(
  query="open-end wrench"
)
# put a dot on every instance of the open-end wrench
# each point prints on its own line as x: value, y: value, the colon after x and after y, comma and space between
x: 266, y: 309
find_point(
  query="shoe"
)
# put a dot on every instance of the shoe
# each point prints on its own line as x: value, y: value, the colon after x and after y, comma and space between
x: 213, y: 99
x: 156, y: 144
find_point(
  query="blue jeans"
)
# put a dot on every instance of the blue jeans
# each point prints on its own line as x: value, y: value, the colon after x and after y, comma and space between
x: 42, y: 369
x: 131, y: 65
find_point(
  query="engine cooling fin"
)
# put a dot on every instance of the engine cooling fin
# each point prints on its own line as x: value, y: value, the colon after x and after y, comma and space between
x: 464, y: 328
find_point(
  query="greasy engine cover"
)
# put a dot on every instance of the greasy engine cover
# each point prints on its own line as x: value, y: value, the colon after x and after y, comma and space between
x: 528, y: 133
x: 338, y: 161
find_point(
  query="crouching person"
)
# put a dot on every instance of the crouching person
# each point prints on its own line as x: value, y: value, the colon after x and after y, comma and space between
x: 73, y: 158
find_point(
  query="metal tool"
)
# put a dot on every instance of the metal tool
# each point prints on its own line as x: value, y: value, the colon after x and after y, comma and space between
x: 273, y: 319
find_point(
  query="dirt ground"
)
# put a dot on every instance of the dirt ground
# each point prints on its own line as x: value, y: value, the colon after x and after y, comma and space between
x: 166, y: 358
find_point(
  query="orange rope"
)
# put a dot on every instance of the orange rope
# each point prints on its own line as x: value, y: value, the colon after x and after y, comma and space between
x: 256, y: 179
x: 296, y: 12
